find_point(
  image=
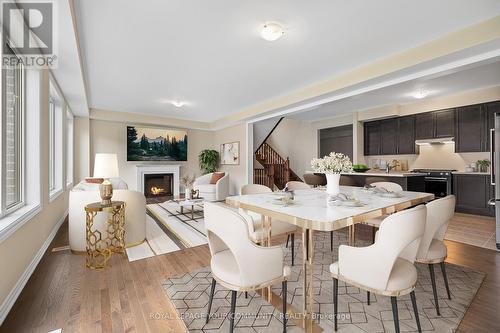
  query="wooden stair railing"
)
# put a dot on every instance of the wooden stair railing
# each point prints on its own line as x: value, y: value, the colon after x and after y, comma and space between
x: 276, y: 171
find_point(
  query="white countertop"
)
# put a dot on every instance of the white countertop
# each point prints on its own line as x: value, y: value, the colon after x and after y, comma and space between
x: 384, y: 174
x: 471, y: 173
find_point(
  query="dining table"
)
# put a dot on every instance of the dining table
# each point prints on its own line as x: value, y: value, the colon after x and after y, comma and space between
x: 312, y: 210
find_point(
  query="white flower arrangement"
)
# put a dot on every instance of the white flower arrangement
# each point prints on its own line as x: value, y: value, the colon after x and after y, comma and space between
x: 333, y: 163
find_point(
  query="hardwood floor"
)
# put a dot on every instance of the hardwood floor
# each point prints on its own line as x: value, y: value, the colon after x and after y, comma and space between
x: 128, y: 297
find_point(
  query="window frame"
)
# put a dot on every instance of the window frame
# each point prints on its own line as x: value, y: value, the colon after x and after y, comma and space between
x: 21, y: 150
x: 56, y: 140
x: 70, y: 137
x: 52, y: 147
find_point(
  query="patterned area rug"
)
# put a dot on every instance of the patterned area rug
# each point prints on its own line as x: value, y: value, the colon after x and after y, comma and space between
x: 190, y: 292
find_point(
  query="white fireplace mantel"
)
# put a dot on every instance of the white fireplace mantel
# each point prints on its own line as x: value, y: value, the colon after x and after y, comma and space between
x: 158, y: 169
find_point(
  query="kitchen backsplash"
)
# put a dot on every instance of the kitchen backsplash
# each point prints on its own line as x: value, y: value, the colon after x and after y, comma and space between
x: 441, y: 156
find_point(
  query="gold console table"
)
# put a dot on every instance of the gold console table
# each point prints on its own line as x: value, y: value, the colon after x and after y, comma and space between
x: 99, y: 249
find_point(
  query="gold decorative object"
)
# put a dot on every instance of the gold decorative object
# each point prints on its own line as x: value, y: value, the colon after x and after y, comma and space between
x: 99, y: 249
x: 195, y: 194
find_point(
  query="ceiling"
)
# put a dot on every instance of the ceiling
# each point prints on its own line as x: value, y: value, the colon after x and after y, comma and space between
x: 139, y: 54
x: 474, y: 77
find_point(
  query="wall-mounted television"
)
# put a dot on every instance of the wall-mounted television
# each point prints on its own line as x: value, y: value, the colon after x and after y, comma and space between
x: 156, y: 144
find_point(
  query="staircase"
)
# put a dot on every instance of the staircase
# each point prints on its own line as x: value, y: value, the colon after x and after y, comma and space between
x: 276, y: 171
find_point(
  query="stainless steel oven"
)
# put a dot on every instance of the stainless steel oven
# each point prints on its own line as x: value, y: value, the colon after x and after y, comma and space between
x: 437, y: 182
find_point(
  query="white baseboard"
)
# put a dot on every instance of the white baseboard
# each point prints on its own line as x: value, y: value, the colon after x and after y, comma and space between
x: 16, y: 291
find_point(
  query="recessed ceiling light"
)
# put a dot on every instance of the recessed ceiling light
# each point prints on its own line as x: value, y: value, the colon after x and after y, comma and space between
x: 272, y: 31
x: 177, y: 103
x: 421, y: 94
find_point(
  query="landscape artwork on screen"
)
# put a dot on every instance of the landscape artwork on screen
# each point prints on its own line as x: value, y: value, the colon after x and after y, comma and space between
x: 156, y: 144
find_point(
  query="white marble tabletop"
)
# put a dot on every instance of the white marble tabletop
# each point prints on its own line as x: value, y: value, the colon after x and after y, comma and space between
x: 310, y: 208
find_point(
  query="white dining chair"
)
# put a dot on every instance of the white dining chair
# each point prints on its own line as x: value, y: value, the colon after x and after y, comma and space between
x: 375, y: 222
x: 380, y: 268
x: 278, y: 228
x: 294, y: 185
x: 432, y: 249
x: 237, y: 263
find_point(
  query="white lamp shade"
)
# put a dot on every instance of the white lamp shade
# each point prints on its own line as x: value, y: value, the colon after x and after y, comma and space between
x: 106, y: 166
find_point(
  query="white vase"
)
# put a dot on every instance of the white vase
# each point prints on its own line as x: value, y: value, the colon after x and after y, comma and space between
x: 333, y: 183
x: 187, y: 194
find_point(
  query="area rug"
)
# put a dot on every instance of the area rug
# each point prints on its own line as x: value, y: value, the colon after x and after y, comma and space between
x: 169, y: 230
x: 190, y: 292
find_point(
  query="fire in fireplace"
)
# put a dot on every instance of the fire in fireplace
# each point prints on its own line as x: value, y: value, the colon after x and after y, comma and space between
x: 156, y: 185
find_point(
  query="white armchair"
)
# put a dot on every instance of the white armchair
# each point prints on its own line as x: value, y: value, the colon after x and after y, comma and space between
x: 380, y: 268
x: 212, y: 192
x: 237, y: 263
x: 135, y: 217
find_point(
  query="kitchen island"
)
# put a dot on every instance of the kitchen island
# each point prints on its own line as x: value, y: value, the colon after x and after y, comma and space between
x: 409, y: 181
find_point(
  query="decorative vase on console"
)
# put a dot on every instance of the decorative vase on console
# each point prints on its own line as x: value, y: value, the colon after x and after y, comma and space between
x: 332, y: 166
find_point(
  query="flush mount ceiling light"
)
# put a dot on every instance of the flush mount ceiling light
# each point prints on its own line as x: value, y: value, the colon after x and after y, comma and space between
x: 421, y: 94
x: 272, y: 31
x: 177, y: 103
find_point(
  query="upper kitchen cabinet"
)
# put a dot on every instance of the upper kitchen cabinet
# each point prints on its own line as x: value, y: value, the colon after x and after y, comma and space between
x: 471, y: 136
x: 372, y: 138
x: 406, y: 135
x: 424, y: 126
x: 444, y: 125
x: 388, y: 136
x: 437, y: 124
x: 490, y: 110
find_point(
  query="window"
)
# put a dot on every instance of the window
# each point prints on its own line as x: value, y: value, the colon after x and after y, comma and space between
x: 69, y: 148
x: 12, y: 137
x: 56, y: 138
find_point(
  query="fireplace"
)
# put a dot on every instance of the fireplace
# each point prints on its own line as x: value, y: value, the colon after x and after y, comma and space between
x: 158, y: 185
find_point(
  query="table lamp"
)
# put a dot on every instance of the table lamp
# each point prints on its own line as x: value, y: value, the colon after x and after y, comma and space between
x: 106, y: 166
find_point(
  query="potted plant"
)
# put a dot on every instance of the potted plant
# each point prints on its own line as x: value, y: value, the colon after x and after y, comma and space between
x: 332, y: 165
x: 209, y: 160
x: 483, y: 165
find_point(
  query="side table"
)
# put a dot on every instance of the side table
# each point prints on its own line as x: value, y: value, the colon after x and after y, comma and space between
x: 99, y: 250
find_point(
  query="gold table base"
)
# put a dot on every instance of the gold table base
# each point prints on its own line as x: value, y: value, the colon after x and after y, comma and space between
x: 99, y: 249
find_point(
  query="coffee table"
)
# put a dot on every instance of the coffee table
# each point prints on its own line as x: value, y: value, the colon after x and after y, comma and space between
x: 189, y: 203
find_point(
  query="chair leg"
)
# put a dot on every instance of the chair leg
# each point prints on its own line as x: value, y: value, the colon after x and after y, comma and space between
x: 331, y: 240
x: 368, y: 297
x: 395, y: 314
x: 374, y: 231
x: 284, y: 290
x: 212, y: 289
x: 415, y: 310
x: 434, y: 290
x: 287, y: 239
x: 246, y: 294
x: 307, y: 244
x: 231, y: 313
x: 293, y: 248
x: 443, y: 269
x: 335, y: 301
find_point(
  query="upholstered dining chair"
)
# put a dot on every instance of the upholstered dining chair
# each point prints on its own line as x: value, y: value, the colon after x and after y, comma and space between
x: 432, y: 249
x: 375, y: 222
x: 278, y: 228
x: 294, y: 185
x: 237, y: 263
x: 380, y: 268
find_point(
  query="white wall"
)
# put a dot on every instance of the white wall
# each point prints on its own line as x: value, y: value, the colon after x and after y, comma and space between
x: 111, y: 137
x: 81, y: 145
x: 237, y: 173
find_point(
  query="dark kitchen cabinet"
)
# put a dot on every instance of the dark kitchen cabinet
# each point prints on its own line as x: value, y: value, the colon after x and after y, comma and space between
x: 424, y: 126
x: 372, y: 138
x: 388, y: 136
x: 471, y: 129
x: 444, y: 123
x: 406, y: 135
x: 472, y: 194
x: 490, y: 109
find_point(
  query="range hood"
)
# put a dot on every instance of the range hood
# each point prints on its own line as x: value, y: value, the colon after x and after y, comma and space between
x: 437, y: 141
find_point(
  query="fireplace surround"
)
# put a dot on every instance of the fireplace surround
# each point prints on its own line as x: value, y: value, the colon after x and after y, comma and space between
x: 159, y: 171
